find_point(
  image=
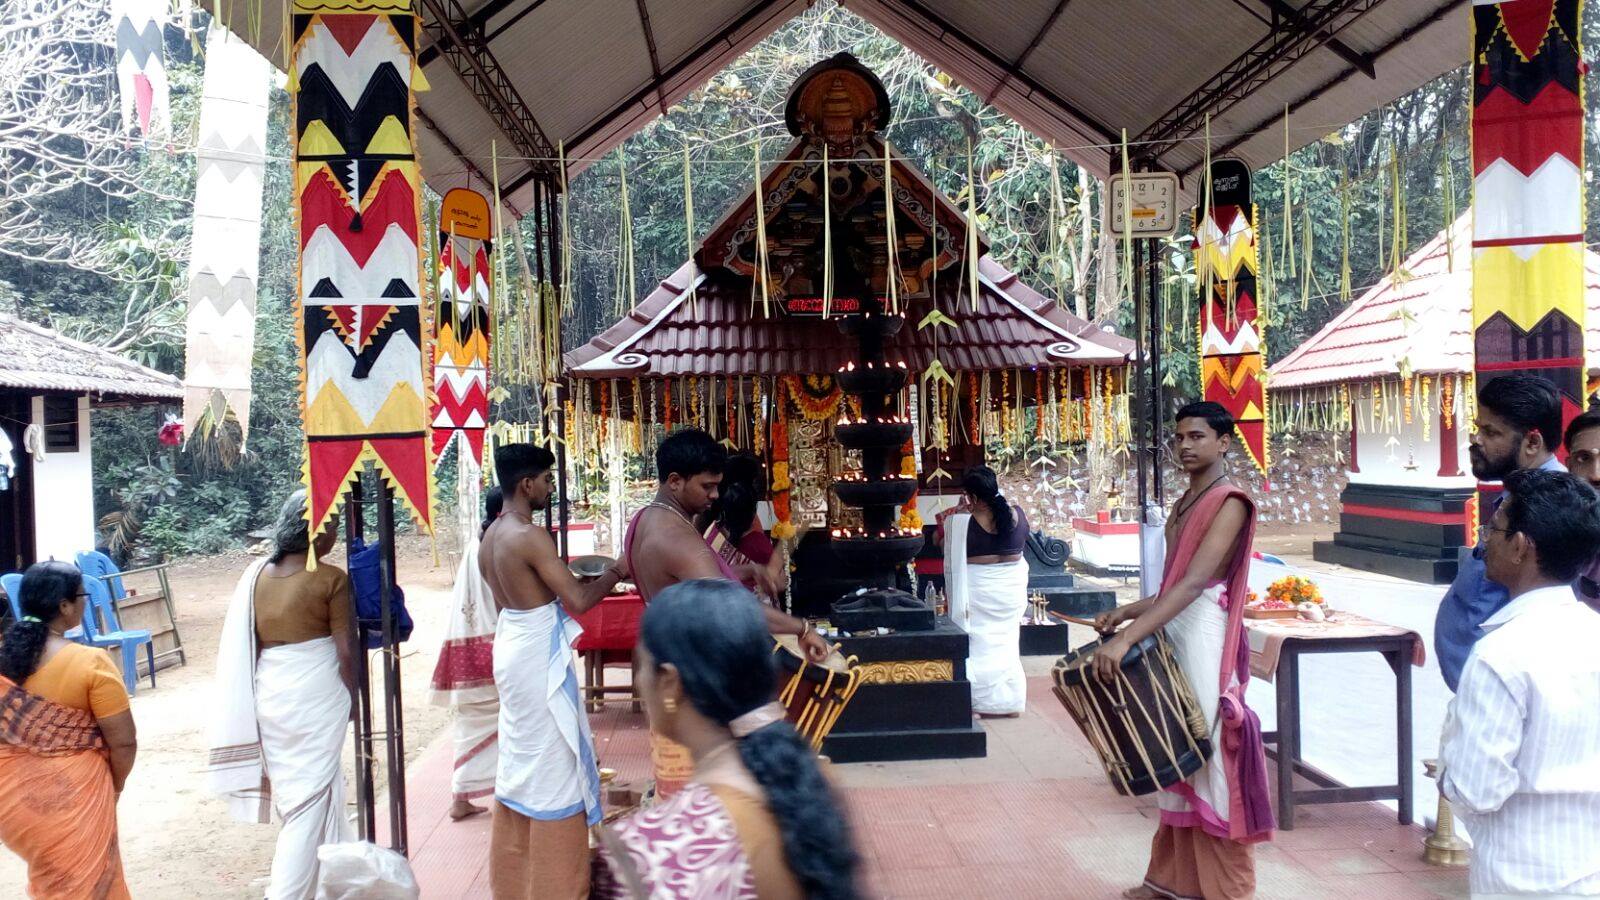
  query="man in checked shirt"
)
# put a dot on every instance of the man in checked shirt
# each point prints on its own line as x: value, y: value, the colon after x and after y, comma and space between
x: 1520, y: 756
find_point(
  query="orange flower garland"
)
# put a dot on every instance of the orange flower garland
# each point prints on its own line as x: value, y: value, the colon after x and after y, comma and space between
x: 783, y: 529
x: 816, y: 396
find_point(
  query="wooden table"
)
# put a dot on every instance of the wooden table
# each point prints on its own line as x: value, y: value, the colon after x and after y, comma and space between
x: 610, y: 629
x: 1276, y: 647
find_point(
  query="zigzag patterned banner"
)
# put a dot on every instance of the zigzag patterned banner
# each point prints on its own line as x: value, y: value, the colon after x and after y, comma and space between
x: 462, y: 317
x: 1527, y: 192
x: 1232, y: 367
x: 363, y: 330
x: 141, y: 65
x: 225, y: 249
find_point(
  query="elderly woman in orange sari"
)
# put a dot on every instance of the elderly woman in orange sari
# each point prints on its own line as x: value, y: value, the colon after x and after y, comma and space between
x: 66, y: 743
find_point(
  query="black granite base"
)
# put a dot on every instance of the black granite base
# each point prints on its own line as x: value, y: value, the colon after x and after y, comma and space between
x: 1044, y: 640
x: 1085, y: 602
x: 915, y: 719
x: 1426, y: 569
x: 869, y: 619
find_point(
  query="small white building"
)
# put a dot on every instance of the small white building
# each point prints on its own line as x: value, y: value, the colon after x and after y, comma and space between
x: 1394, y: 372
x: 48, y: 386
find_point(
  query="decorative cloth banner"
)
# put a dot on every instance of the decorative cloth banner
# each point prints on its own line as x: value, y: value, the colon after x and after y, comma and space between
x: 225, y: 249
x: 1232, y: 367
x: 141, y: 65
x: 461, y: 324
x: 1527, y: 193
x: 363, y: 338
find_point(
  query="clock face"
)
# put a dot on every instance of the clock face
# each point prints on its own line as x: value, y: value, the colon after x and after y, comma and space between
x: 1149, y: 200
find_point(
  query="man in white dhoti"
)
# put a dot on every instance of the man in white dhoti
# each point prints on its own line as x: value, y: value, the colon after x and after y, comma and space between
x: 986, y: 579
x: 547, y: 787
x: 282, y: 709
x: 463, y: 679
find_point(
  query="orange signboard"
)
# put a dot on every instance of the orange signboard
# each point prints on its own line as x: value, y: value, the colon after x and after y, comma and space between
x: 465, y: 213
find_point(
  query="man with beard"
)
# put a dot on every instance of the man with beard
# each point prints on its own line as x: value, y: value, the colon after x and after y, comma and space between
x: 547, y: 787
x: 1583, y: 460
x: 1518, y: 427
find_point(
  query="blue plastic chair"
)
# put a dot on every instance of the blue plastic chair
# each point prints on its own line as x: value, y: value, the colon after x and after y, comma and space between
x: 111, y: 633
x: 93, y: 562
x: 11, y: 583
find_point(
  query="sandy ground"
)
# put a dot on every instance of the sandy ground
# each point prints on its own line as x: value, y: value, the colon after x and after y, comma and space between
x: 177, y: 837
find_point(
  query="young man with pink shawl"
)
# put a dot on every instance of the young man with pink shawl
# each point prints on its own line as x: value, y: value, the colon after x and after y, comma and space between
x: 1210, y: 820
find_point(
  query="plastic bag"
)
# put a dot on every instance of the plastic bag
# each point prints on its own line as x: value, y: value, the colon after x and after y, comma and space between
x: 358, y: 870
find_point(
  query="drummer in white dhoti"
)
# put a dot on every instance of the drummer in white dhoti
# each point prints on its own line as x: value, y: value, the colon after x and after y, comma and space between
x: 283, y: 688
x: 1211, y: 819
x: 986, y: 580
x: 463, y: 679
x: 547, y: 787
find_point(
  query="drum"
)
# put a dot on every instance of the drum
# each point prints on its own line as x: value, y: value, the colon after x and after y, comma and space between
x: 1146, y: 725
x: 815, y: 694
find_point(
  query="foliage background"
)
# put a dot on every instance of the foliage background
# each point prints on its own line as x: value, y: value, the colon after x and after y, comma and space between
x: 135, y: 301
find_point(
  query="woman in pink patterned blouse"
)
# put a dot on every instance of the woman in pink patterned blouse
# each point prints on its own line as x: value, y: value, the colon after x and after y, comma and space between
x: 757, y: 819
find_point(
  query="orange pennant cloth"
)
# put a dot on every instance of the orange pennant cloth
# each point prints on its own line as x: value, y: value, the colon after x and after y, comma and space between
x: 363, y: 332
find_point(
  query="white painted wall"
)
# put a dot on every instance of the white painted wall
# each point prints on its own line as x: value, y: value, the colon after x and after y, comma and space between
x: 1410, y: 460
x: 63, y: 494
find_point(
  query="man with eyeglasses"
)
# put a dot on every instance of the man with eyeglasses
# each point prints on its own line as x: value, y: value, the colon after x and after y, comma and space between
x: 1518, y: 427
x: 1520, y: 756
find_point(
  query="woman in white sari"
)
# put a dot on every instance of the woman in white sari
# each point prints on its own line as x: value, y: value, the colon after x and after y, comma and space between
x: 986, y: 580
x: 284, y: 681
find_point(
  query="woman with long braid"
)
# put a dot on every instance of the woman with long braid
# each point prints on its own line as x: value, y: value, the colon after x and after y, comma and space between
x: 757, y: 819
x: 67, y: 743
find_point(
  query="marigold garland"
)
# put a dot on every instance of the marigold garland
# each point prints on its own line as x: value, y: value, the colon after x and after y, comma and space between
x: 973, y: 436
x: 1447, y: 401
x: 816, y: 396
x: 783, y: 529
x: 1424, y: 402
x: 666, y: 418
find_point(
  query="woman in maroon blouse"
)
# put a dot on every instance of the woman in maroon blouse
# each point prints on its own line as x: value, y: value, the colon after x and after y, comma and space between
x: 734, y: 530
x: 987, y: 583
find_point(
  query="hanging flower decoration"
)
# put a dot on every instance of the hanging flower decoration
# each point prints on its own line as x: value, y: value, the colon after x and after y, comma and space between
x: 973, y: 436
x: 783, y: 529
x: 816, y: 396
x: 171, y: 433
x: 909, y: 517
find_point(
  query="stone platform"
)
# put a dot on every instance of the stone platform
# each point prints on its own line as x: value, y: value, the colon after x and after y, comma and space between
x: 914, y: 703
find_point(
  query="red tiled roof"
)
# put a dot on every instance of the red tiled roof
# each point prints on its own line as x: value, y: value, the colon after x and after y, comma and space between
x: 722, y: 334
x: 1424, y: 319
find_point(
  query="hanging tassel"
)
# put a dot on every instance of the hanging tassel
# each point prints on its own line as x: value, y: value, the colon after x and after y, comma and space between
x: 1058, y: 217
x: 763, y: 273
x: 972, y: 231
x: 626, y: 276
x: 1449, y: 212
x: 688, y: 226
x: 827, y: 236
x: 1265, y: 289
x: 891, y: 273
x: 1288, y: 204
x: 564, y: 302
x: 1127, y: 224
x: 1399, y: 215
x: 1308, y: 276
x: 1344, y: 235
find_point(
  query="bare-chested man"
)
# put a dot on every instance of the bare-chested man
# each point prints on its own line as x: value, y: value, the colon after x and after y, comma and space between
x: 547, y: 788
x: 664, y: 547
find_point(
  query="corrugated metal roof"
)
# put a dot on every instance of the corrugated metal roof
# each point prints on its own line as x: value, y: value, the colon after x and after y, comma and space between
x: 721, y: 334
x: 582, y: 67
x: 1425, y: 319
x: 36, y: 358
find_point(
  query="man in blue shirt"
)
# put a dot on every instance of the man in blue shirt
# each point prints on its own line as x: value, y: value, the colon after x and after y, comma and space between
x: 1518, y: 427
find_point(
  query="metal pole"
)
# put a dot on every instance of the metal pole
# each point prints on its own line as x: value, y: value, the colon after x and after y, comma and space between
x: 1157, y: 407
x: 394, y: 734
x: 366, y: 824
x: 1145, y: 427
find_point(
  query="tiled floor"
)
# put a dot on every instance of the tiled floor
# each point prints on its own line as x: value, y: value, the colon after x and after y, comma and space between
x: 1035, y: 819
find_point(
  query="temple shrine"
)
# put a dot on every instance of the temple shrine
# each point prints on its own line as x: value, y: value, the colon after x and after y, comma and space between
x: 846, y: 323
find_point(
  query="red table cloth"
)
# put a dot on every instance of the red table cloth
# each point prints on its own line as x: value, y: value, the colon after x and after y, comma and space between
x: 613, y: 624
